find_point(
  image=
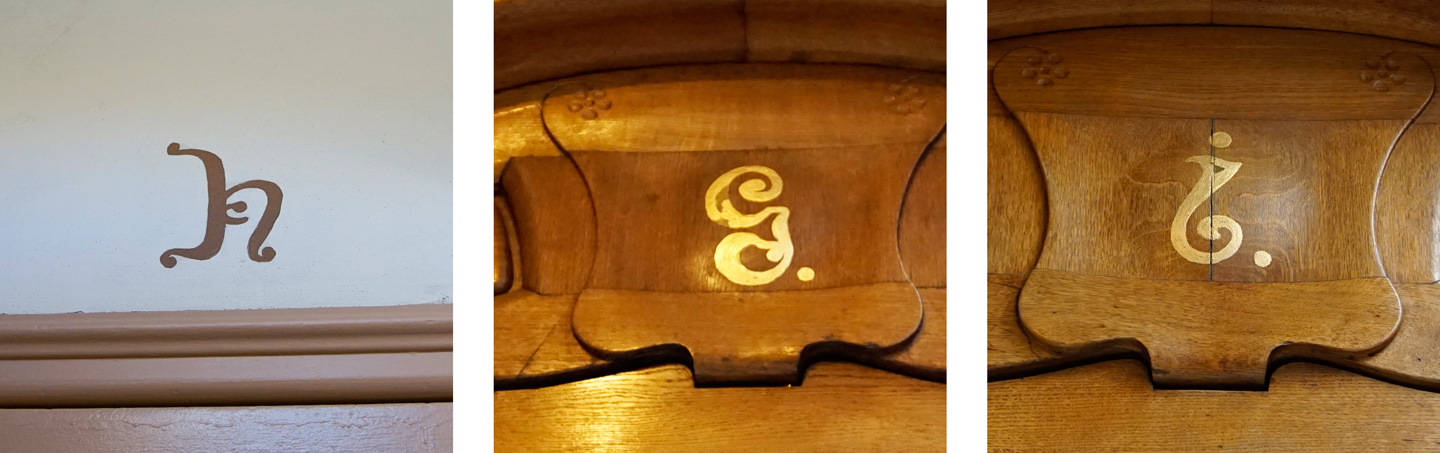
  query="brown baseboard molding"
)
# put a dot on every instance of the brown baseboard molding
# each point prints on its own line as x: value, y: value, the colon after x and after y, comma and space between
x: 351, y: 355
x: 301, y: 331
x: 227, y: 381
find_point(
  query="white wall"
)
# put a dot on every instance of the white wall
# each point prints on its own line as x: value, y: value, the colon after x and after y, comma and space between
x: 344, y: 104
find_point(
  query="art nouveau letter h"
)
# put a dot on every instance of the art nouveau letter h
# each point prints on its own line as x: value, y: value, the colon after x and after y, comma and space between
x: 217, y: 215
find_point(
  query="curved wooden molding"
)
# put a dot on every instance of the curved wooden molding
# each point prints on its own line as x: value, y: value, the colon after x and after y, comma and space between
x: 539, y: 40
x: 1411, y: 20
x: 224, y: 381
x: 301, y: 331
x: 240, y: 357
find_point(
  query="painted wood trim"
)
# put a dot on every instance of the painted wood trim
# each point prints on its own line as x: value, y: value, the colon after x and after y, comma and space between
x: 227, y: 381
x: 302, y: 331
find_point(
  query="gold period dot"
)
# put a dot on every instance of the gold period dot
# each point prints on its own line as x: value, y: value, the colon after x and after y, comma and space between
x: 1220, y: 139
x: 1262, y: 258
x: 806, y: 274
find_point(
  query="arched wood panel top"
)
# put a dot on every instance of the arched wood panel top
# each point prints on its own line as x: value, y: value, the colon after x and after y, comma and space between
x: 538, y: 40
x: 1412, y: 20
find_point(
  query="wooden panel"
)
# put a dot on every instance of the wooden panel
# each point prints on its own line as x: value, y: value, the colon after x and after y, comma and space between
x: 1208, y: 334
x: 747, y: 338
x: 909, y: 34
x: 655, y: 232
x: 248, y: 380
x: 380, y: 427
x: 1015, y: 223
x: 1407, y: 218
x: 1410, y: 358
x: 1295, y: 215
x: 554, y: 223
x: 1111, y: 212
x: 518, y: 129
x: 548, y: 39
x: 840, y: 407
x: 746, y: 107
x: 1215, y: 72
x: 348, y: 330
x: 502, y: 251
x: 922, y: 221
x: 1414, y: 20
x: 924, y: 356
x: 1111, y: 407
x: 1009, y: 18
x: 535, y: 346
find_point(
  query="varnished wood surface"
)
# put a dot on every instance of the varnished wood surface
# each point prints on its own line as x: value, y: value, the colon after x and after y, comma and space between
x: 1413, y: 357
x: 1207, y: 334
x: 1407, y: 218
x: 1292, y: 203
x: 1196, y: 72
x: 924, y: 356
x: 746, y: 107
x: 839, y: 407
x: 263, y: 429
x: 1111, y: 406
x: 906, y: 34
x: 520, y: 131
x: 922, y: 221
x: 554, y: 223
x: 1412, y: 20
x: 503, y: 265
x: 748, y: 337
x: 1110, y: 212
x: 1016, y: 207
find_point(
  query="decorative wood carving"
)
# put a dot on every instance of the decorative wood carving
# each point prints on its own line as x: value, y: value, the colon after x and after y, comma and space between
x: 1141, y: 245
x: 708, y: 246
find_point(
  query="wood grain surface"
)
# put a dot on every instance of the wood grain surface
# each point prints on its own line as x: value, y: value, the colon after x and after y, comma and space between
x: 547, y: 39
x: 1215, y: 72
x: 1016, y: 207
x: 1011, y: 18
x: 754, y: 338
x: 1293, y: 206
x: 1110, y: 212
x: 905, y: 34
x: 1111, y: 406
x: 746, y: 107
x: 1407, y: 218
x: 1208, y: 334
x: 503, y: 265
x: 554, y: 223
x: 839, y: 407
x: 922, y: 221
x: 1411, y: 358
x: 378, y: 427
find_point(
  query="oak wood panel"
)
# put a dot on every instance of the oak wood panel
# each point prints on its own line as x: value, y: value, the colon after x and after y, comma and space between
x: 746, y: 107
x: 752, y: 338
x: 908, y: 34
x: 1407, y: 218
x: 503, y: 266
x: 840, y: 407
x: 524, y: 323
x: 924, y: 356
x: 246, y: 380
x: 518, y: 128
x: 654, y: 234
x: 1302, y: 196
x: 554, y: 223
x: 922, y: 221
x: 1412, y: 357
x: 1412, y: 20
x: 548, y: 39
x: 1010, y: 18
x: 213, y: 333
x: 1194, y: 72
x: 1111, y: 406
x: 1110, y: 212
x: 1016, y: 208
x: 378, y: 427
x: 1208, y: 334
x: 1009, y: 351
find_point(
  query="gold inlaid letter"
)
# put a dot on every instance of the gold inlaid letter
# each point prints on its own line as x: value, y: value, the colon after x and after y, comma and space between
x: 721, y: 211
x: 1208, y: 226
